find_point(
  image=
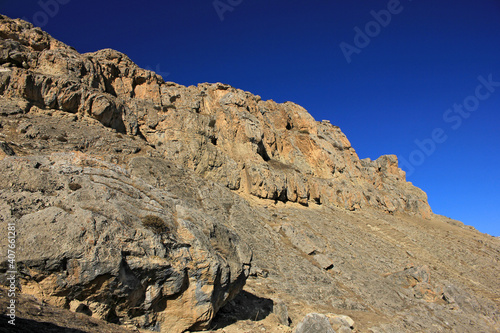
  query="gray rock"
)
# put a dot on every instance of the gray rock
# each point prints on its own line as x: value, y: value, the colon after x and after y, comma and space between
x: 314, y: 323
x: 299, y: 239
x: 113, y: 242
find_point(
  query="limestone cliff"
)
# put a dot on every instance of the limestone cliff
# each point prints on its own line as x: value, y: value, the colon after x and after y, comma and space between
x: 168, y: 208
x: 270, y: 150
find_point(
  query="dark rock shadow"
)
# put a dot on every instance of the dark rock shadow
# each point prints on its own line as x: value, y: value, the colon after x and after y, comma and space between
x: 32, y: 326
x: 245, y: 306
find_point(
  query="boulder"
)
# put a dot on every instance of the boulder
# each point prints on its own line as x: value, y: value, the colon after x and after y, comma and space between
x: 314, y: 323
x: 340, y: 323
x: 109, y: 244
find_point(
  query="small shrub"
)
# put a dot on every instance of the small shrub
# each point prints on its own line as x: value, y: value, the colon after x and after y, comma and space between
x: 155, y: 223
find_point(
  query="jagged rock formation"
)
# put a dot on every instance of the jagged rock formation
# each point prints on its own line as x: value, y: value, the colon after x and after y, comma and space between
x: 272, y: 151
x: 152, y: 205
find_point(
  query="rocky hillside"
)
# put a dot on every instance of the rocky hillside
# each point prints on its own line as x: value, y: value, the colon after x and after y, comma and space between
x: 157, y: 206
x: 272, y: 151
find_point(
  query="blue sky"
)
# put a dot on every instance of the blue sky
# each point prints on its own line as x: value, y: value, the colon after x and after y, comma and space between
x: 404, y: 75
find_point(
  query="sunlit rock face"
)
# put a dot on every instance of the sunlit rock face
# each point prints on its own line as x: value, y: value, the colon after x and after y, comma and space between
x: 152, y: 205
x: 269, y: 150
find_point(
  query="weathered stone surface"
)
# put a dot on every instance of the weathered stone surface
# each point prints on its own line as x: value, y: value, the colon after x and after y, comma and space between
x: 33, y: 315
x: 324, y: 261
x: 340, y: 323
x: 304, y: 242
x: 314, y: 323
x: 269, y: 150
x: 281, y: 311
x: 96, y: 252
x: 221, y: 168
x: 6, y: 150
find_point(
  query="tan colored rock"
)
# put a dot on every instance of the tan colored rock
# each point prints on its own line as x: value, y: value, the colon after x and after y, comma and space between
x: 101, y: 144
x: 269, y: 150
x: 97, y: 253
x: 340, y: 321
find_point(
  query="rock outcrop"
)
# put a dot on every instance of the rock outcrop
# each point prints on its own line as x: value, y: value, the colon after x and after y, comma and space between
x: 314, y: 323
x: 269, y: 150
x: 109, y: 242
x: 151, y: 205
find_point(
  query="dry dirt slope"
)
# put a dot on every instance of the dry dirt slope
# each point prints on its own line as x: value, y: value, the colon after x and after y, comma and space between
x: 86, y: 137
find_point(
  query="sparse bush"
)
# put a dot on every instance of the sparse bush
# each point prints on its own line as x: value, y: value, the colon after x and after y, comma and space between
x: 155, y: 223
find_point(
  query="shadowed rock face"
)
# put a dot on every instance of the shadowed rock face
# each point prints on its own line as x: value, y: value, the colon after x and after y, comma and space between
x: 269, y: 150
x: 151, y: 205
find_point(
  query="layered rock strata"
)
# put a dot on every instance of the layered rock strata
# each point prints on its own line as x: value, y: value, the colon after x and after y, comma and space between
x: 269, y: 150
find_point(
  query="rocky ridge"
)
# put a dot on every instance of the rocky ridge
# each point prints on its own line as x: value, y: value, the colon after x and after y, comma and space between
x: 152, y: 205
x: 270, y: 150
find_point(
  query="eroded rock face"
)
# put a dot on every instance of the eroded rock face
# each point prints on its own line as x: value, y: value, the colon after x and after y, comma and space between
x: 96, y: 238
x: 269, y: 150
x: 132, y: 197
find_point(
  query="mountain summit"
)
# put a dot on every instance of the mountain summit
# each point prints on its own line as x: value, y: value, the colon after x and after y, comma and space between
x: 152, y: 205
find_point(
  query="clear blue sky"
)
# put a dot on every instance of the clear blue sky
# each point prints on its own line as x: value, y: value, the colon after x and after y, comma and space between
x: 395, y: 90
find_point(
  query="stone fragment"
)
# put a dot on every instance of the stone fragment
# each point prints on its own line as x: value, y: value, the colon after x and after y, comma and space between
x: 314, y: 323
x: 324, y: 261
x: 340, y: 322
x: 299, y: 239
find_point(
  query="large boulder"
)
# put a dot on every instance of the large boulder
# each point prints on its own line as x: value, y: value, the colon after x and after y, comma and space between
x: 117, y: 244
